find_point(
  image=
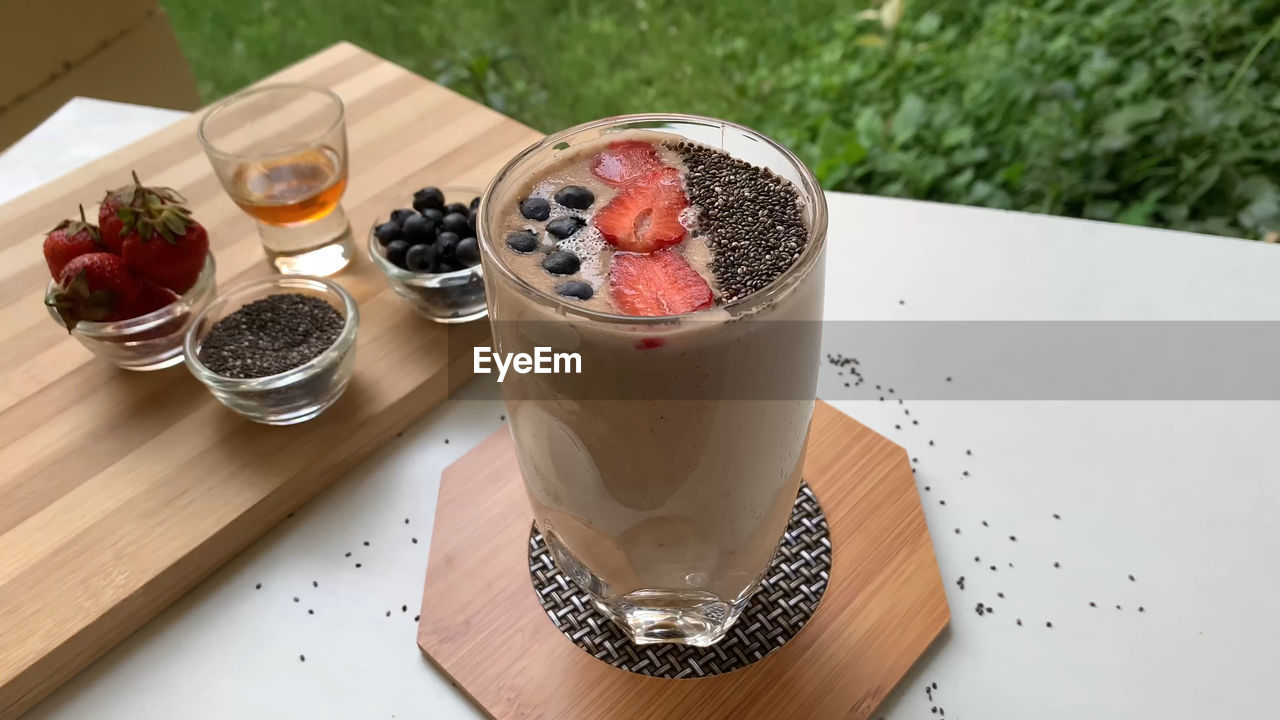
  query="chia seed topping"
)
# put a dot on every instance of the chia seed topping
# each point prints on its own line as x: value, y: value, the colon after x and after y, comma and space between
x: 270, y: 336
x: 751, y: 217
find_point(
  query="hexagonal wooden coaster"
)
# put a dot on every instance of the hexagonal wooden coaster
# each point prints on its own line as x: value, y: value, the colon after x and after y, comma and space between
x: 482, y: 624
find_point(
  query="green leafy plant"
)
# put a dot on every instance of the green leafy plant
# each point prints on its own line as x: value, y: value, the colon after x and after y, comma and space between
x: 1152, y: 112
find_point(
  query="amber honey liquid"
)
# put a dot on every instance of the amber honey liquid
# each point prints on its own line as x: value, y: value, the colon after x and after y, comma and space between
x: 291, y: 190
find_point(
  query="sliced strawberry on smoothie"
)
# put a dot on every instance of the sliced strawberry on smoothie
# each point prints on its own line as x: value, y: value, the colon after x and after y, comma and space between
x: 625, y: 160
x: 645, y: 214
x: 657, y: 284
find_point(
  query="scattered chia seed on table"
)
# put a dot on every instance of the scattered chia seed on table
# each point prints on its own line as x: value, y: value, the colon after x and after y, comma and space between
x: 752, y: 218
x: 270, y: 336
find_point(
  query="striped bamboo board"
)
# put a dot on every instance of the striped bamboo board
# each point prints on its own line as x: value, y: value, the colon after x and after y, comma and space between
x: 120, y: 491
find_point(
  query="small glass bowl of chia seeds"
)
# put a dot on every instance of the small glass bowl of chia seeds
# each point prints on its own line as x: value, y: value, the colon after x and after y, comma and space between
x: 152, y: 341
x: 445, y: 297
x: 279, y: 350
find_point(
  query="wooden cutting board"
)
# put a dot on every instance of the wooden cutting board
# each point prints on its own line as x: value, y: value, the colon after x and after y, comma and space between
x: 483, y: 626
x: 119, y: 491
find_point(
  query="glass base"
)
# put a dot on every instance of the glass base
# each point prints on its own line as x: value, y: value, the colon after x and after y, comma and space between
x: 166, y: 360
x: 650, y: 617
x: 319, y: 248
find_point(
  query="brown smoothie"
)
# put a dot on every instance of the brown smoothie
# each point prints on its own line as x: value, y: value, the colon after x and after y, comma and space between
x: 663, y: 476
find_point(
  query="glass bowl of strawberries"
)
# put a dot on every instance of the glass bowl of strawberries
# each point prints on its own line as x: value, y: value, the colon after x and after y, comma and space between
x: 129, y: 288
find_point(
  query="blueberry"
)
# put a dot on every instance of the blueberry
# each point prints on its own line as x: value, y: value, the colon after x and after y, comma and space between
x: 575, y: 288
x: 456, y: 223
x: 435, y: 215
x: 564, y: 227
x: 475, y: 203
x: 445, y: 266
x: 523, y: 241
x: 399, y: 216
x: 561, y: 262
x: 386, y: 232
x: 456, y: 208
x: 428, y: 197
x: 468, y: 252
x: 447, y: 244
x: 420, y: 257
x: 535, y: 208
x: 472, y: 215
x: 575, y: 196
x: 419, y: 228
x: 396, y: 251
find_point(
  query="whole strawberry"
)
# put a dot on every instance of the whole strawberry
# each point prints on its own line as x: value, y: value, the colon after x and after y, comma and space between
x: 70, y: 239
x: 162, y: 244
x: 97, y: 287
x: 136, y: 195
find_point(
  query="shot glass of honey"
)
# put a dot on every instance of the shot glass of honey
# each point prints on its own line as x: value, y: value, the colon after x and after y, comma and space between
x: 280, y: 152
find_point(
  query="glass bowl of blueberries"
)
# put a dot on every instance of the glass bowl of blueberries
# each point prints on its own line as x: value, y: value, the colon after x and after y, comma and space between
x: 430, y: 256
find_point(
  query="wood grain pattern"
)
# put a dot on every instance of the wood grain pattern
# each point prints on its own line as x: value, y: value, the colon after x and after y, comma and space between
x: 482, y: 624
x: 120, y: 491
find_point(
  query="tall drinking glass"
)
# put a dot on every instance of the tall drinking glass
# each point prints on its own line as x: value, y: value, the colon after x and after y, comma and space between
x: 663, y: 476
x: 280, y: 152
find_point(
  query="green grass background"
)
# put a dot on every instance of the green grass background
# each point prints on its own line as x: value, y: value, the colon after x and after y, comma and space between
x: 1154, y: 112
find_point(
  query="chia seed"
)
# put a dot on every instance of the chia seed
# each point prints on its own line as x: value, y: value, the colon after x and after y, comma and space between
x: 752, y: 218
x: 270, y: 336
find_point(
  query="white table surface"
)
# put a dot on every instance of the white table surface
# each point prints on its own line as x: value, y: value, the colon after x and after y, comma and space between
x: 1180, y: 494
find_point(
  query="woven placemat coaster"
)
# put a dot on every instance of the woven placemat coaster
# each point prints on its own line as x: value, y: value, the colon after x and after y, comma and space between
x: 784, y: 602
